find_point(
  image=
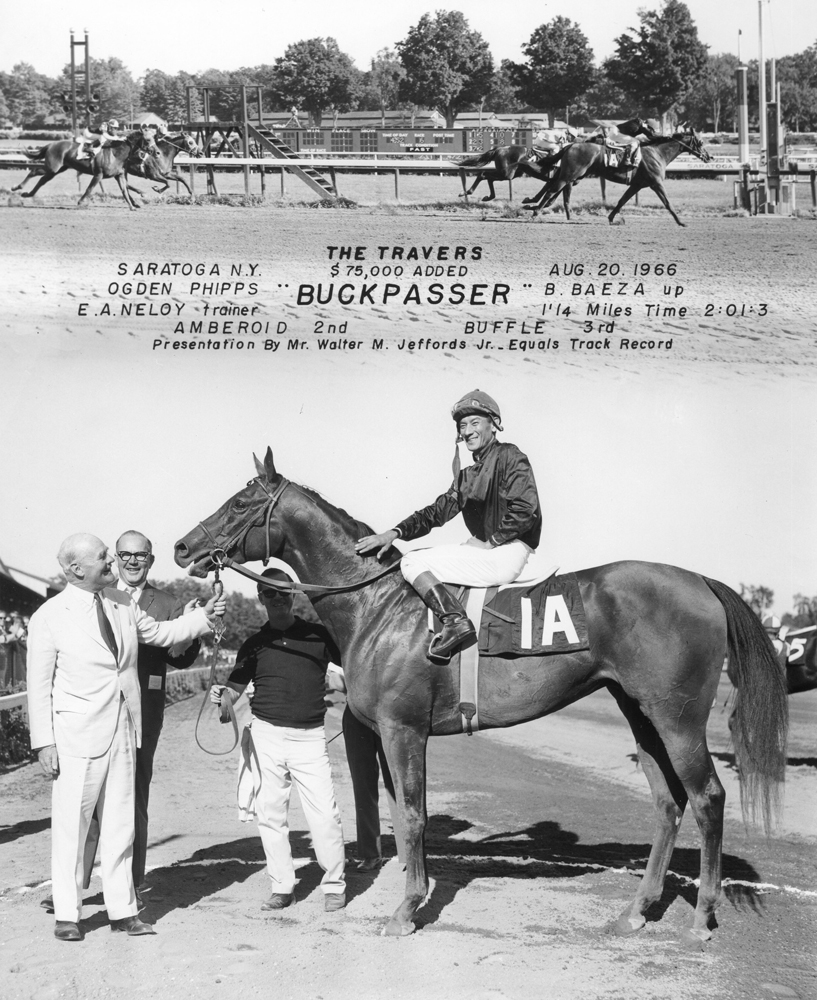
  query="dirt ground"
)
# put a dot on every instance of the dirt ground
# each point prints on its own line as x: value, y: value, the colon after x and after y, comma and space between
x: 741, y: 280
x: 536, y: 837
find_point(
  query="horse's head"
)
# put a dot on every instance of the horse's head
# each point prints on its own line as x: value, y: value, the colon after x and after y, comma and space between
x: 692, y: 142
x: 241, y: 528
x: 190, y: 143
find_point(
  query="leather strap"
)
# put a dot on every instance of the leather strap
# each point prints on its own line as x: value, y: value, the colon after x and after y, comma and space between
x: 469, y: 666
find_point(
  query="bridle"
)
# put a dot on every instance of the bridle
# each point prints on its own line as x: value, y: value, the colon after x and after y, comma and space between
x: 236, y: 541
x: 221, y: 560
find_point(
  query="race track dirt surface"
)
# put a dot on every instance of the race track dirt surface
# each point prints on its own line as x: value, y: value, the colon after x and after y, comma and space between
x: 746, y: 283
x: 536, y: 837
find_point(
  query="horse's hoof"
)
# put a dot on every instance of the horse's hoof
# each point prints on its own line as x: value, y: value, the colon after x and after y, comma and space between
x: 696, y: 938
x: 395, y: 929
x: 625, y: 925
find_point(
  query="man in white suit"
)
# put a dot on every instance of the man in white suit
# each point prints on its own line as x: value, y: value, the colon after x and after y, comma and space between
x: 85, y: 721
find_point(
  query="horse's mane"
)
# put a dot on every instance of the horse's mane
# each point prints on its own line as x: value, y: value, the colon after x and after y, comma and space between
x: 355, y: 527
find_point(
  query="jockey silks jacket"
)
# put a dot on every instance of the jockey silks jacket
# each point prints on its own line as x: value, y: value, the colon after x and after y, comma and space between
x: 497, y: 496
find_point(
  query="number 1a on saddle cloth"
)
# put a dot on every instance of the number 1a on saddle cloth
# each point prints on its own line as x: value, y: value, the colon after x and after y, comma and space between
x: 535, y: 619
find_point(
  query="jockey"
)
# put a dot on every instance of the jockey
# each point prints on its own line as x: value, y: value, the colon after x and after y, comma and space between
x: 499, y: 502
x: 631, y: 146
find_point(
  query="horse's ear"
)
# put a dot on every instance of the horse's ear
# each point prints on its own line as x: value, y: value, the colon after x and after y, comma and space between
x: 268, y: 468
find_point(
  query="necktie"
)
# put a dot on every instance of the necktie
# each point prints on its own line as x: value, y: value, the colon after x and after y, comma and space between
x: 105, y: 627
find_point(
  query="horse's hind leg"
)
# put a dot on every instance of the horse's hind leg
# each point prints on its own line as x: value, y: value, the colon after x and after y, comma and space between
x: 669, y: 799
x: 631, y: 191
x: 405, y: 751
x: 682, y: 728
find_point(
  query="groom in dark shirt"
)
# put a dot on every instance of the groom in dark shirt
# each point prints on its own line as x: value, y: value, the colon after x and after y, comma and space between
x: 286, y: 660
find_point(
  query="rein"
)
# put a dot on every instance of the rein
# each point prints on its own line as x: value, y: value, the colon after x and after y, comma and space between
x: 236, y: 541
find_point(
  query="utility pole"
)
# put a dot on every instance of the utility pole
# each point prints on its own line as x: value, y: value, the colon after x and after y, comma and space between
x: 761, y: 90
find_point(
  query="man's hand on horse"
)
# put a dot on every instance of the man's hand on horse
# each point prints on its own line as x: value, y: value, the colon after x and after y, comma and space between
x: 381, y: 542
x: 49, y: 761
x: 191, y: 606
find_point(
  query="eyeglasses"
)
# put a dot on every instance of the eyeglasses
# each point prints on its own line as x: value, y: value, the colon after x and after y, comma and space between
x: 138, y: 556
x: 274, y: 597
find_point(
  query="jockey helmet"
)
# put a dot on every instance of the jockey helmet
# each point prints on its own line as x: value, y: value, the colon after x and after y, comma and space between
x: 771, y: 622
x: 113, y: 123
x: 477, y: 402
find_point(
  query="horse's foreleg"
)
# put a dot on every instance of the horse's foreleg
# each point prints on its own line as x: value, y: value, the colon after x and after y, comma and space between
x: 173, y: 176
x: 405, y: 751
x: 121, y: 180
x: 658, y: 187
x: 669, y: 799
x: 603, y: 184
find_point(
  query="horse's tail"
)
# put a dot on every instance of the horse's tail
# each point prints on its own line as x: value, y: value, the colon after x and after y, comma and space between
x: 477, y: 161
x: 761, y: 716
x: 546, y: 162
x: 36, y: 154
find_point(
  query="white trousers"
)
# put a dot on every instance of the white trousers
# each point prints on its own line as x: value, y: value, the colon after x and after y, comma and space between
x: 472, y: 564
x: 105, y: 783
x: 286, y: 755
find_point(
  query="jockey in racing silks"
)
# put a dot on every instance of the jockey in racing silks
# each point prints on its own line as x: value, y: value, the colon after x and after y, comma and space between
x: 500, y: 505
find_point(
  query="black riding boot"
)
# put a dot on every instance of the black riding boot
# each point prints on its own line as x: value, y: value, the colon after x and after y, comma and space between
x: 458, y: 632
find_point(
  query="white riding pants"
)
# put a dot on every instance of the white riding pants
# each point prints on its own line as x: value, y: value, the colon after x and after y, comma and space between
x: 286, y: 755
x: 105, y: 783
x: 472, y: 564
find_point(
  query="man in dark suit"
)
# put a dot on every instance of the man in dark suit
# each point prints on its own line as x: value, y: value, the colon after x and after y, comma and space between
x: 134, y: 558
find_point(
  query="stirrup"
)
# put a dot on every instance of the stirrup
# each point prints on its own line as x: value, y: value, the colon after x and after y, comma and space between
x: 454, y: 643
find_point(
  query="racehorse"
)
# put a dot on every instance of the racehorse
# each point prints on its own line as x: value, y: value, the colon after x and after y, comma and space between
x: 110, y: 161
x: 504, y: 163
x: 658, y: 635
x: 585, y: 159
x: 158, y: 166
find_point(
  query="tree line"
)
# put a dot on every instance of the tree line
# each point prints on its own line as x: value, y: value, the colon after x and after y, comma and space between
x: 660, y: 69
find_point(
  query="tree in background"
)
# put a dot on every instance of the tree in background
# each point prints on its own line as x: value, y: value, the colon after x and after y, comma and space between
x: 559, y: 67
x: 805, y: 612
x: 120, y: 95
x: 604, y: 99
x: 660, y: 62
x: 244, y: 616
x: 315, y: 76
x: 381, y: 84
x: 166, y: 95
x: 797, y: 76
x: 29, y: 95
x: 759, y: 599
x: 712, y: 104
x: 448, y: 66
x: 503, y: 97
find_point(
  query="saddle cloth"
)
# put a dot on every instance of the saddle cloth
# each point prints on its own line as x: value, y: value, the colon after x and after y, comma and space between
x: 532, y: 618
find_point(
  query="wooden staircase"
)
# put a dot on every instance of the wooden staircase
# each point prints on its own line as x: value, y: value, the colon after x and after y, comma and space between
x: 279, y: 149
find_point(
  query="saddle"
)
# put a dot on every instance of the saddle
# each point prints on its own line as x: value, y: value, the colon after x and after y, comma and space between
x: 528, y: 618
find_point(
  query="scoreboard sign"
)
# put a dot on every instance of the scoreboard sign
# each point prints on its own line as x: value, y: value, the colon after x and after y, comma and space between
x: 419, y: 149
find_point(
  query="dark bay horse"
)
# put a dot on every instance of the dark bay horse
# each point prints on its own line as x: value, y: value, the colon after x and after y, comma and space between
x: 159, y: 167
x: 111, y: 161
x: 658, y: 637
x: 503, y: 163
x: 586, y: 159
